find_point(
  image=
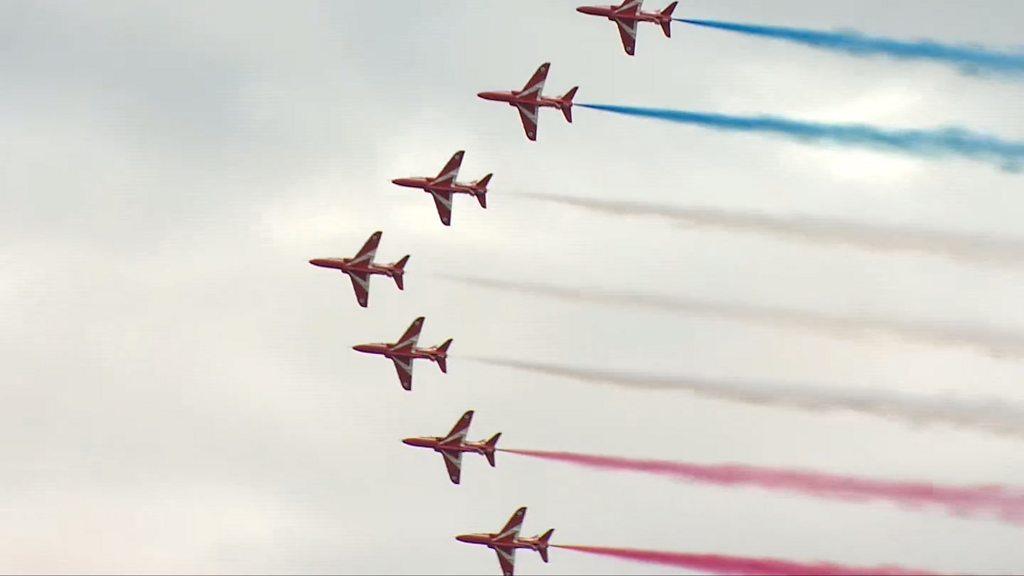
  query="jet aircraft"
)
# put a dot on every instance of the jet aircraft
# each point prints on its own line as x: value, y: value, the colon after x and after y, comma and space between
x: 506, y: 542
x: 361, y: 267
x: 452, y: 446
x: 627, y: 15
x: 403, y: 352
x: 529, y: 100
x: 443, y: 187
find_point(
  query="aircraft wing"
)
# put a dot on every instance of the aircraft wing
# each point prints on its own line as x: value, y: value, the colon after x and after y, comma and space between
x: 535, y: 85
x: 361, y: 285
x: 458, y: 433
x: 368, y: 251
x: 528, y: 114
x: 450, y: 171
x: 404, y: 368
x: 410, y: 337
x: 627, y: 30
x: 511, y: 529
x: 507, y: 559
x: 443, y: 202
x: 629, y: 7
x: 453, y: 461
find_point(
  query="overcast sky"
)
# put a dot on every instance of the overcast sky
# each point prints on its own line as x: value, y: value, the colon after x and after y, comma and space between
x: 178, y: 391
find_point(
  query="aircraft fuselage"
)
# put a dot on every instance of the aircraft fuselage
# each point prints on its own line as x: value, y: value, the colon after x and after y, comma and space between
x: 492, y: 541
x: 434, y: 443
x: 389, y: 351
x: 513, y: 100
x: 425, y: 185
x: 346, y: 266
x: 610, y: 13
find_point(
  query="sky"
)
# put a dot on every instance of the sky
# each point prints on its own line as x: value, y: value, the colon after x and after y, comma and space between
x: 179, y: 393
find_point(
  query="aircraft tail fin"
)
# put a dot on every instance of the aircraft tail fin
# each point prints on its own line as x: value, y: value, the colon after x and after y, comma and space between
x: 482, y: 183
x: 666, y: 23
x: 442, y: 355
x: 443, y: 348
x: 566, y: 103
x: 542, y: 548
x: 399, y: 271
x: 490, y: 446
x: 481, y: 190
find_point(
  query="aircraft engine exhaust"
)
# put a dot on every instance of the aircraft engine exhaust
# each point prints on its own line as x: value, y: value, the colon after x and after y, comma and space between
x: 721, y: 564
x: 969, y: 59
x: 1003, y: 503
x: 993, y: 341
x: 937, y: 142
x: 969, y: 248
x: 992, y: 415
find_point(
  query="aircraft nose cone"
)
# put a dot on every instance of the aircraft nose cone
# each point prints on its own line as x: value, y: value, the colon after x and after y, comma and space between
x: 408, y: 442
x: 463, y: 539
x: 361, y: 348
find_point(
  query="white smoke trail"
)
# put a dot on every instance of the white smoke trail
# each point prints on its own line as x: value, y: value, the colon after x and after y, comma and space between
x: 994, y: 416
x: 963, y: 247
x: 992, y: 341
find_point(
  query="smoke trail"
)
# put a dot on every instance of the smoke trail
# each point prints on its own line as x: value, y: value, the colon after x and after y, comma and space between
x: 994, y: 416
x: 720, y: 564
x: 1004, y: 503
x: 967, y: 58
x: 1007, y: 154
x: 995, y: 342
x: 972, y: 248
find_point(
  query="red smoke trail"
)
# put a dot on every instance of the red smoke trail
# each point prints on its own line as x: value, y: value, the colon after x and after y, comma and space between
x: 717, y: 564
x: 1004, y: 503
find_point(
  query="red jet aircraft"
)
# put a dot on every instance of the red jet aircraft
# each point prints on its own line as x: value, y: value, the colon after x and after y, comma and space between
x: 529, y: 100
x: 627, y: 15
x: 360, y: 268
x: 452, y: 446
x: 405, y: 351
x: 507, y: 541
x: 443, y: 187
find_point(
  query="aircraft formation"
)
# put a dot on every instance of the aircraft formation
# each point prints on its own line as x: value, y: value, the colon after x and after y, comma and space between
x: 443, y: 188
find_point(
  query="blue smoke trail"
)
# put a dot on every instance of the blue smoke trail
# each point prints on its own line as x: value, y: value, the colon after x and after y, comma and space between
x: 1007, y: 154
x: 967, y: 58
